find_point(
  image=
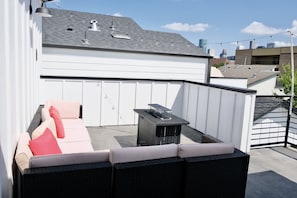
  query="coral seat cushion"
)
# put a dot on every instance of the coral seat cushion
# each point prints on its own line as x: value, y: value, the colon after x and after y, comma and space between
x: 54, y: 113
x: 45, y: 144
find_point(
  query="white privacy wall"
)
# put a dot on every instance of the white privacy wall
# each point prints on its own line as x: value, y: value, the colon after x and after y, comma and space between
x: 224, y: 114
x: 20, y: 49
x: 111, y: 102
x: 114, y: 64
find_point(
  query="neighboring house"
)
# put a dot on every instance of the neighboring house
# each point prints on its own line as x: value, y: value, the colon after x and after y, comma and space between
x: 270, y: 121
x: 215, y: 72
x: 84, y: 44
x: 266, y: 56
x: 257, y: 77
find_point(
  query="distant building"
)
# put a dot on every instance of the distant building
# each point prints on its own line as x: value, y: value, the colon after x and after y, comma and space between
x: 240, y: 47
x: 211, y: 52
x: 223, y: 54
x: 219, y: 61
x: 203, y: 44
x: 265, y: 56
x: 258, y: 77
x: 270, y: 45
x: 252, y: 44
x: 231, y: 58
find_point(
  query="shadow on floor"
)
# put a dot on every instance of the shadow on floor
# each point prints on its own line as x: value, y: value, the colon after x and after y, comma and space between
x: 126, y: 141
x: 270, y: 184
x: 285, y: 151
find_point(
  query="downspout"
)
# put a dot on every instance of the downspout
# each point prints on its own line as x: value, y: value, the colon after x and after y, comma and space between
x: 208, y: 72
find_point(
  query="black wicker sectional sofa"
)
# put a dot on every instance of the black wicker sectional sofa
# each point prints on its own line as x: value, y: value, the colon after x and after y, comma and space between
x: 170, y: 170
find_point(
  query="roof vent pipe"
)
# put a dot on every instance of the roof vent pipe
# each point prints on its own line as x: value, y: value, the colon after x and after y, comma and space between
x: 93, y: 25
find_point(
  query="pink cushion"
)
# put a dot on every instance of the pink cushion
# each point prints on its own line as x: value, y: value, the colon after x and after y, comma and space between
x: 72, y: 123
x: 75, y: 134
x: 67, y: 109
x: 54, y: 113
x: 45, y: 144
x: 75, y: 147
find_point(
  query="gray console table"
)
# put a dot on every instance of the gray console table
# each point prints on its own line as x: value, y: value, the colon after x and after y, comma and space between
x: 158, y: 126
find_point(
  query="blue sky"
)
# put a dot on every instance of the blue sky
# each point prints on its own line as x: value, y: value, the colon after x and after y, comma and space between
x: 224, y: 24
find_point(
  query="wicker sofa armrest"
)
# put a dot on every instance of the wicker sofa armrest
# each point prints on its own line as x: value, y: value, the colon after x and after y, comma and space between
x: 225, y: 175
x: 80, y: 180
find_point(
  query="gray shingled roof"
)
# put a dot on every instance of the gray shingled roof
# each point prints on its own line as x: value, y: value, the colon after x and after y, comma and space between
x: 265, y: 105
x: 254, y: 73
x: 56, y: 33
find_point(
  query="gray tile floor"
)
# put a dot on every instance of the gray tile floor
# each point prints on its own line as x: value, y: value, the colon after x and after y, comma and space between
x: 272, y: 171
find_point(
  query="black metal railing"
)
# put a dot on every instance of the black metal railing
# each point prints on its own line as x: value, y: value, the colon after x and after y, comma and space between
x: 273, y: 123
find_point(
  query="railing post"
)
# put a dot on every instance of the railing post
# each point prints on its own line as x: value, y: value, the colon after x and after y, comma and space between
x: 287, y: 127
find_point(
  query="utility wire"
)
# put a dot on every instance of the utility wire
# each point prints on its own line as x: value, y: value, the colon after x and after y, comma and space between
x: 245, y: 40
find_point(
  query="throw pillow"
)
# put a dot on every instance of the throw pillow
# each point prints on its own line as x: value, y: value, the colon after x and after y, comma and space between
x: 54, y: 113
x: 45, y: 144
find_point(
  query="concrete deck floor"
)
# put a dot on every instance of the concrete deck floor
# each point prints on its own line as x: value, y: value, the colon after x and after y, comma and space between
x: 272, y: 171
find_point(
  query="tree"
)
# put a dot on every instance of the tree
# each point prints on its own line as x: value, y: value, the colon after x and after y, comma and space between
x: 285, y: 79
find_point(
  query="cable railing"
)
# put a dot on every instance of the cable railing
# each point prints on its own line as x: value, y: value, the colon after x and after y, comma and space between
x: 273, y: 126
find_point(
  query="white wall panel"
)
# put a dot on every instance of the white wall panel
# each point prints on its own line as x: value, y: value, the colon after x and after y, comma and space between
x: 110, y: 103
x: 226, y: 116
x: 213, y: 112
x: 175, y: 97
x: 51, y: 89
x: 185, y: 104
x: 159, y: 93
x: 143, y: 94
x: 202, y: 109
x: 127, y: 103
x: 238, y: 117
x: 92, y: 103
x: 73, y: 90
x: 192, y: 100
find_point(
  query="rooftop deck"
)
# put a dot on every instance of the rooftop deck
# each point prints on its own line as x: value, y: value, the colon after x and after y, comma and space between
x: 272, y: 171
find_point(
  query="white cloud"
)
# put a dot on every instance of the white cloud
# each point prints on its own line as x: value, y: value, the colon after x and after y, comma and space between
x: 281, y: 44
x: 117, y: 14
x: 257, y: 28
x: 294, y: 27
x: 184, y: 27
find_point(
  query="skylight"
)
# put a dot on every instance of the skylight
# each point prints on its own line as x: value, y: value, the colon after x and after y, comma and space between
x: 121, y: 36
